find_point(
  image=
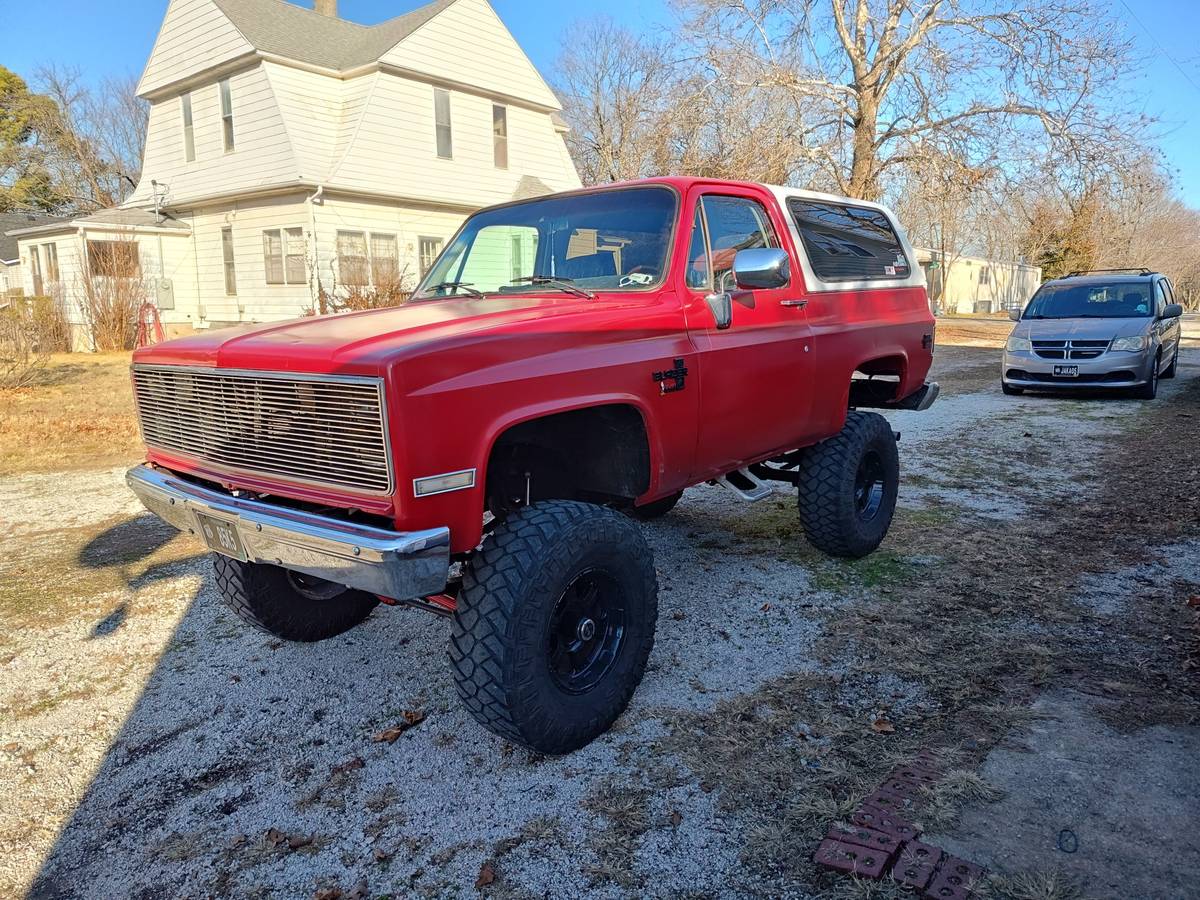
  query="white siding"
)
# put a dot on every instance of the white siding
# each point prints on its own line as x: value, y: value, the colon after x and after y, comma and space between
x: 195, y: 35
x: 262, y: 153
x: 468, y: 43
x: 408, y: 223
x: 256, y: 301
x: 395, y: 149
x: 311, y: 106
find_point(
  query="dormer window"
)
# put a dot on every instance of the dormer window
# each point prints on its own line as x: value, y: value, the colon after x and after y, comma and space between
x: 226, y: 114
x: 189, y: 134
x: 441, y: 117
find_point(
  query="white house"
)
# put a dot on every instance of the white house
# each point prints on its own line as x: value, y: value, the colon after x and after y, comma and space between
x: 973, y: 285
x: 12, y: 275
x: 291, y: 152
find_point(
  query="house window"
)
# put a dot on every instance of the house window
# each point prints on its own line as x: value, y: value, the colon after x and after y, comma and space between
x: 226, y: 114
x: 51, y: 251
x: 441, y: 115
x: 189, y: 133
x: 518, y: 257
x: 113, y: 259
x: 985, y: 275
x: 35, y: 269
x: 227, y: 256
x: 385, y: 260
x: 429, y: 248
x: 352, y: 258
x: 283, y: 255
x: 500, y: 136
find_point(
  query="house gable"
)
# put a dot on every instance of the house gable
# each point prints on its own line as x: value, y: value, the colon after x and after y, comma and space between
x: 195, y: 36
x: 466, y: 43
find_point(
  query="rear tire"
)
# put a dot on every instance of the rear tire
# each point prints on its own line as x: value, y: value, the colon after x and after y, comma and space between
x: 655, y: 509
x: 1010, y: 390
x: 287, y: 604
x: 527, y: 664
x: 848, y: 486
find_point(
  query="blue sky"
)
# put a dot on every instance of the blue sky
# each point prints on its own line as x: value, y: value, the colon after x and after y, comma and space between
x: 86, y: 34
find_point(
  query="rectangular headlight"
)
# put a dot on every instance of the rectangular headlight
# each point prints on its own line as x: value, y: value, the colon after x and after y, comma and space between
x: 441, y: 484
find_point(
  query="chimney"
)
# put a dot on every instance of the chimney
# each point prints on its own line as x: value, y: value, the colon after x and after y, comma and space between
x: 326, y: 7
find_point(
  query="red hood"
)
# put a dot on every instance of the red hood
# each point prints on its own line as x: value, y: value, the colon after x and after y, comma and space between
x: 360, y: 343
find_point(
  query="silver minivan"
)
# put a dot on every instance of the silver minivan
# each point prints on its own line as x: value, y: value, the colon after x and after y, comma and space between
x: 1112, y: 328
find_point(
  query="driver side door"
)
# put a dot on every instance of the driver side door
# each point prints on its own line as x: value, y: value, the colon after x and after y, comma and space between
x: 755, y: 375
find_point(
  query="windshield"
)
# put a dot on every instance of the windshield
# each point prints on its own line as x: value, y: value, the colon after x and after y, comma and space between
x: 605, y: 241
x: 1123, y: 300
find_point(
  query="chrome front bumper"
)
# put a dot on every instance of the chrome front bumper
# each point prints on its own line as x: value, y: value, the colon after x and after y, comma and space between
x: 399, y: 565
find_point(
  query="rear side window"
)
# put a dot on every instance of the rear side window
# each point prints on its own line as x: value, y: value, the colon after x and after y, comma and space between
x: 848, y: 243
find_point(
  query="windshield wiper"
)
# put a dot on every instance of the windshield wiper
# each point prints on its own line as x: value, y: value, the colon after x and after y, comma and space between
x: 562, y: 283
x: 464, y: 286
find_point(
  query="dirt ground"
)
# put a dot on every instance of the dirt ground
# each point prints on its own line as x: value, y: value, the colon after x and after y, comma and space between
x: 1032, y: 616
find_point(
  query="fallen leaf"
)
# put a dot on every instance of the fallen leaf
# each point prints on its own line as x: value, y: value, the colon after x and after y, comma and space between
x: 296, y: 841
x: 381, y: 854
x: 348, y: 765
x: 329, y: 893
x: 676, y: 818
x: 487, y: 874
x: 412, y: 717
x: 765, y: 607
x: 883, y: 726
x: 359, y: 891
x: 275, y: 836
x: 1194, y: 600
x: 236, y: 841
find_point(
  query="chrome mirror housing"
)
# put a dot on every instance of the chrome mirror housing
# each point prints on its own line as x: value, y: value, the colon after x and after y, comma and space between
x: 762, y: 267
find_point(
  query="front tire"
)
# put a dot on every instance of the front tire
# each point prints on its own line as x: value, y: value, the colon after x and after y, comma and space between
x: 1149, y: 390
x: 554, y: 625
x: 848, y: 487
x: 1170, y: 371
x: 287, y: 604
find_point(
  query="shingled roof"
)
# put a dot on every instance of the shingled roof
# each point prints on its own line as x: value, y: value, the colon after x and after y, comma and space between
x: 15, y: 221
x: 282, y: 28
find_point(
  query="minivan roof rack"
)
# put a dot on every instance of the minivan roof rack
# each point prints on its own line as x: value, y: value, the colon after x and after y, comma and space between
x: 1140, y: 270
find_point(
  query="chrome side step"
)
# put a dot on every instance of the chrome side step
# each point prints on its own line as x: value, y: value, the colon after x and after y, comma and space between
x: 746, y: 485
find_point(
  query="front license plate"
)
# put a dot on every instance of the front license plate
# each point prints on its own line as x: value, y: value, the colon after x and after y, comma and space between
x: 1067, y: 371
x: 221, y: 536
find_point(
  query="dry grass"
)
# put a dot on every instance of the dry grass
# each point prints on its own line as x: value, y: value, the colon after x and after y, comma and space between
x: 973, y: 332
x: 78, y: 414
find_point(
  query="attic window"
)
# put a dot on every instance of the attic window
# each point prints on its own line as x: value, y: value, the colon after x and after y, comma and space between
x: 226, y: 114
x: 441, y: 116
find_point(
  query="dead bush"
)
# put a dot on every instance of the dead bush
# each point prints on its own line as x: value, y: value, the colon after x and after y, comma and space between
x: 20, y: 355
x: 111, y: 295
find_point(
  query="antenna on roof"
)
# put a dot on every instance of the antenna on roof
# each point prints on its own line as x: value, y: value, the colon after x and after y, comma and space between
x: 158, y: 198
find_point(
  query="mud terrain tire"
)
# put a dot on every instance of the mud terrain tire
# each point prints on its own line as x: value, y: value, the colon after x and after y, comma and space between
x: 525, y: 604
x: 848, y: 487
x: 289, y: 605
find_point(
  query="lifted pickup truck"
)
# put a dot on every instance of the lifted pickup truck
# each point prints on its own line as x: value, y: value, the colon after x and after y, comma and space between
x: 568, y: 365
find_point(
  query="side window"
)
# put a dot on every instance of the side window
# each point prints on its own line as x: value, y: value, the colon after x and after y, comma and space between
x: 734, y: 223
x: 849, y: 243
x: 699, y: 274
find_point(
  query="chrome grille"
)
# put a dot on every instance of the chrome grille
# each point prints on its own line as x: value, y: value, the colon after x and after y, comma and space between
x: 322, y: 430
x: 1069, y: 349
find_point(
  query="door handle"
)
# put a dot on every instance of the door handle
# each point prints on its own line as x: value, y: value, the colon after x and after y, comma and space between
x: 798, y: 304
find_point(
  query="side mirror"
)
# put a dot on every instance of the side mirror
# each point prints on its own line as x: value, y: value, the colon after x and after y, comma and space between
x: 721, y: 304
x: 762, y: 267
x: 1015, y: 315
x: 1173, y: 311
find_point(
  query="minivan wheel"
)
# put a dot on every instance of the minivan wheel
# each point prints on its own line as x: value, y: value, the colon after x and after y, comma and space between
x: 1149, y: 390
x: 554, y: 625
x: 848, y: 486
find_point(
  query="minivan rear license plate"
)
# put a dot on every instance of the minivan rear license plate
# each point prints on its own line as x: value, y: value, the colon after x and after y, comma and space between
x: 1067, y: 371
x: 221, y: 536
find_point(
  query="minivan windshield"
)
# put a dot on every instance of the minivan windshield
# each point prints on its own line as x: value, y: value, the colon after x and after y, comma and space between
x: 1063, y: 300
x: 615, y: 240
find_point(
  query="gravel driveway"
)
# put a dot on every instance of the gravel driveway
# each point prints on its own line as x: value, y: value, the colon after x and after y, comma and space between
x: 153, y: 746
